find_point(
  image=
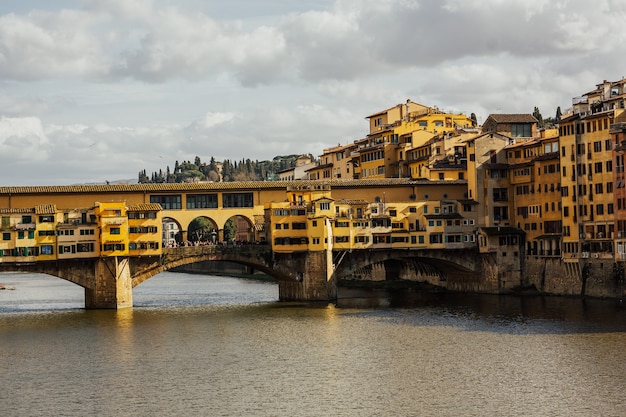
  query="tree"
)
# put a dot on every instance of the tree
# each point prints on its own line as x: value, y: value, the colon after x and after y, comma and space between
x: 143, y: 178
x: 474, y: 119
x: 200, y: 229
x: 538, y: 116
x: 229, y: 230
x: 558, y: 114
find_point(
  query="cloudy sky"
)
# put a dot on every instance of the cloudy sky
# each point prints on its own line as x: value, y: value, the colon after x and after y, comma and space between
x: 96, y: 90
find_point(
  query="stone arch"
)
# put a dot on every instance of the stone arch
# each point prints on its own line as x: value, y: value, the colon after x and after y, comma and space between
x: 240, y: 229
x: 173, y: 233
x: 383, y: 264
x: 203, y: 229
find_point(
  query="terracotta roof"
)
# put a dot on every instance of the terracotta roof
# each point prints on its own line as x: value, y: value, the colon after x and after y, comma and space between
x: 208, y: 186
x: 521, y: 165
x: 469, y: 201
x: 145, y: 207
x: 547, y: 156
x: 500, y: 135
x: 532, y: 142
x: 513, y: 118
x: 352, y: 202
x: 444, y: 216
x: 503, y: 230
x: 16, y: 210
x: 496, y: 166
x: 330, y: 165
x: 45, y: 209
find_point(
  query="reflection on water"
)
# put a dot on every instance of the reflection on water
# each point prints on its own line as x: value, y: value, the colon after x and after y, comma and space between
x: 583, y: 314
x: 204, y: 346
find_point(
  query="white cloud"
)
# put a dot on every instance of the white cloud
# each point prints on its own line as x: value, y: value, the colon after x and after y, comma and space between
x: 44, y: 44
x: 22, y: 139
x: 113, y: 87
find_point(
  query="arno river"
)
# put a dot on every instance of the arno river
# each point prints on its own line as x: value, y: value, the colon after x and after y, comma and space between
x: 214, y: 346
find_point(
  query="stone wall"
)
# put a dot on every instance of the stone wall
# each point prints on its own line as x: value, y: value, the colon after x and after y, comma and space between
x: 590, y: 277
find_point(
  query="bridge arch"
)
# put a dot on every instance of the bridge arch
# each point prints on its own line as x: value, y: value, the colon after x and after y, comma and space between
x: 172, y: 232
x: 437, y: 267
x: 239, y: 228
x: 203, y: 229
x: 253, y: 256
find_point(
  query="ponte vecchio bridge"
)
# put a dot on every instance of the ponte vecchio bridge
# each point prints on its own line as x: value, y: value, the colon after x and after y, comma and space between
x: 301, y: 275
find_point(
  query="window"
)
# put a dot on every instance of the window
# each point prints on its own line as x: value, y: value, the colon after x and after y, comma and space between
x: 233, y: 200
x: 167, y: 202
x: 324, y: 206
x: 46, y: 219
x: 597, y: 146
x: 520, y: 130
x: 84, y: 247
x: 500, y: 194
x: 6, y: 236
x: 195, y: 201
x: 599, y: 188
x: 115, y: 230
x: 27, y: 219
x: 598, y: 167
x: 500, y: 213
x: 47, y: 250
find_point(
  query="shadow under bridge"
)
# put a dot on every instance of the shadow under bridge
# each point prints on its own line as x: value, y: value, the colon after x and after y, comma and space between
x: 453, y: 269
x: 258, y: 257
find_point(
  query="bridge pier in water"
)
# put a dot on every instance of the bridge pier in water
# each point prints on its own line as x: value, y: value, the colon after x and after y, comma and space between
x: 314, y: 277
x: 112, y: 287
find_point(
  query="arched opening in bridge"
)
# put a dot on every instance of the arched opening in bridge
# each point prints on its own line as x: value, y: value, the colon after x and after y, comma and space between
x: 239, y: 229
x: 172, y: 232
x: 29, y: 291
x: 203, y: 230
x: 202, y: 288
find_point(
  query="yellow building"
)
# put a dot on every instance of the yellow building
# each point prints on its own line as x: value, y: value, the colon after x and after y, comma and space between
x: 18, y: 242
x: 488, y: 179
x: 587, y: 183
x: 335, y: 163
x: 395, y: 132
x: 113, y: 223
x: 309, y: 219
x: 144, y: 229
x: 535, y: 188
x: 78, y: 234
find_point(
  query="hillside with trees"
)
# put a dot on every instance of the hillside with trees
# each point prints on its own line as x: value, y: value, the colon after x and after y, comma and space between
x: 226, y: 171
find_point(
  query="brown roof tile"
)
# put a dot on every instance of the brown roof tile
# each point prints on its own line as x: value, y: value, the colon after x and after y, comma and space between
x: 45, y: 209
x: 513, y: 118
x: 145, y: 207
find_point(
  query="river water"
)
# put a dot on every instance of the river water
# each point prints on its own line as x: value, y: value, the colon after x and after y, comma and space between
x: 216, y: 346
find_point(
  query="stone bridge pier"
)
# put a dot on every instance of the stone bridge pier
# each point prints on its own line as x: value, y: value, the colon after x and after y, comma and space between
x: 310, y: 276
x: 112, y: 284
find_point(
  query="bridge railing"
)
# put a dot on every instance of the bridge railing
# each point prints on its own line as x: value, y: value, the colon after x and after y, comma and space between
x: 183, y: 251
